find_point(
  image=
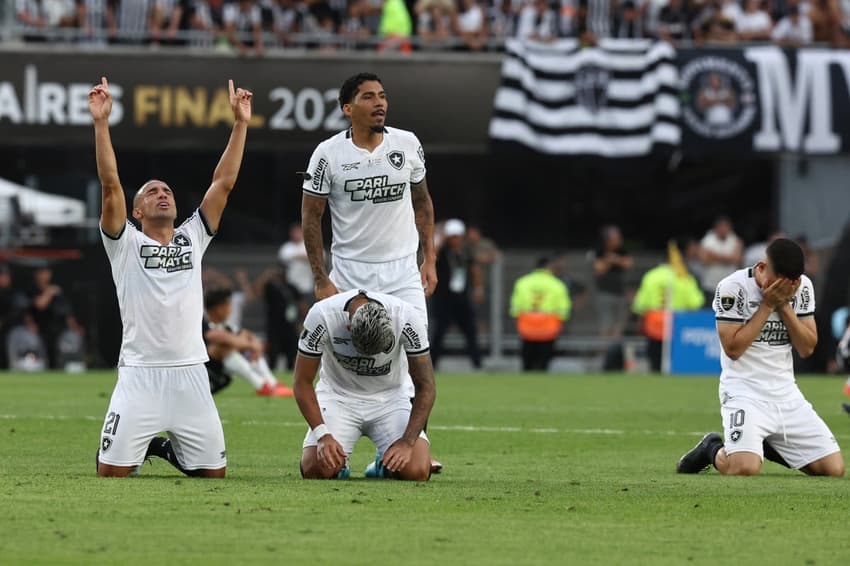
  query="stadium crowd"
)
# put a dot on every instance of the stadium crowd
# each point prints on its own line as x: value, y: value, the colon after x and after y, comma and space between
x: 252, y: 26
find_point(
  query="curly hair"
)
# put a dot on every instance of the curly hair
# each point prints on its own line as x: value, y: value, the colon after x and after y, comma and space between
x: 372, y: 329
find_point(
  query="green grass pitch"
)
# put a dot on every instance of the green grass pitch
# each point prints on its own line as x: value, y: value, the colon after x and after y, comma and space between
x: 538, y: 470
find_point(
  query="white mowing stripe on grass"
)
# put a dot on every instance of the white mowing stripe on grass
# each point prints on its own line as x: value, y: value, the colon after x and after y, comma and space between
x: 446, y: 428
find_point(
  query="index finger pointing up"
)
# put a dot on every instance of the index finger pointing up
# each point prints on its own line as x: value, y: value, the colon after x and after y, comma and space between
x: 230, y: 86
x: 103, y: 82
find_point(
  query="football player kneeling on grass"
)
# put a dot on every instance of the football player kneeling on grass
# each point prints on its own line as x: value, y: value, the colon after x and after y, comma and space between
x: 355, y: 341
x: 762, y: 312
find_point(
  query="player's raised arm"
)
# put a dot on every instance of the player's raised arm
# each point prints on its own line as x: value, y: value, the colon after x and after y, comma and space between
x: 423, y: 210
x: 227, y: 170
x: 113, y: 214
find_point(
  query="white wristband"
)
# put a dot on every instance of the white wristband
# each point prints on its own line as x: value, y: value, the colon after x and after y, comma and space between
x: 320, y: 431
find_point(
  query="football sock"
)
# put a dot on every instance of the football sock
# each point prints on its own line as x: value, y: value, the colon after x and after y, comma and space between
x: 713, y: 449
x: 237, y: 364
x: 162, y: 448
x: 262, y: 368
x: 771, y: 454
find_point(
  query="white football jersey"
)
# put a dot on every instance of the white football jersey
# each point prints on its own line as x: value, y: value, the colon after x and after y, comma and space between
x: 160, y: 294
x: 369, y: 194
x: 765, y: 371
x: 344, y: 370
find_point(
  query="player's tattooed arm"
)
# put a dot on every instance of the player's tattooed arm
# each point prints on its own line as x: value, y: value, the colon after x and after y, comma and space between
x: 114, y: 206
x: 423, y: 210
x: 312, y: 209
x: 422, y: 373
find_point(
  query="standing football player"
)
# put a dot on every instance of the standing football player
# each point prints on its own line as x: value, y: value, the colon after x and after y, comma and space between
x: 162, y: 382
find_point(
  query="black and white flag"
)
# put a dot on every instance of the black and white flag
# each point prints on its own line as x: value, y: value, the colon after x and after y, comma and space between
x: 618, y: 99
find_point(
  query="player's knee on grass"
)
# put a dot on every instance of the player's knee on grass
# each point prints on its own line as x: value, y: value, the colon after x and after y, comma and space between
x: 107, y: 471
x: 311, y: 469
x: 208, y: 473
x: 743, y: 464
x: 419, y: 467
x: 832, y: 465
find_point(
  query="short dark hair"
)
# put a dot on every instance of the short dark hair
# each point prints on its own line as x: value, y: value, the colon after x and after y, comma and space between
x: 217, y: 296
x: 786, y: 258
x: 349, y: 88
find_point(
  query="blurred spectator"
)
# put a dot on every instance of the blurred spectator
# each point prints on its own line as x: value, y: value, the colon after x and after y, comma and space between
x: 753, y: 24
x: 537, y: 21
x: 795, y: 29
x: 59, y: 13
x: 541, y: 304
x: 484, y: 250
x: 242, y: 18
x: 96, y: 20
x: 293, y: 254
x: 204, y: 21
x: 435, y: 19
x: 13, y: 305
x: 610, y: 265
x: 570, y: 20
x: 30, y: 14
x: 810, y: 257
x: 50, y: 311
x: 674, y: 22
x: 597, y: 17
x: 471, y: 26
x: 132, y: 21
x: 168, y: 19
x: 282, y: 315
x: 756, y: 252
x: 692, y: 258
x: 668, y: 286
x: 502, y: 17
x: 355, y: 25
x: 287, y: 18
x: 462, y: 287
x: 721, y: 251
x: 25, y: 347
x: 396, y: 27
x: 628, y: 21
x: 825, y: 21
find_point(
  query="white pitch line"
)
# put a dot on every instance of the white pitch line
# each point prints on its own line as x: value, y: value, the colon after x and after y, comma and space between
x: 444, y: 428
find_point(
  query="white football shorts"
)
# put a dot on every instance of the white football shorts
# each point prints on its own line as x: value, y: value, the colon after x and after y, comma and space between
x: 792, y: 428
x: 399, y: 278
x: 150, y: 400
x: 383, y: 421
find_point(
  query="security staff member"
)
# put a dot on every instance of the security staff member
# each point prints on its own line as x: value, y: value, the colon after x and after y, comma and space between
x: 541, y: 304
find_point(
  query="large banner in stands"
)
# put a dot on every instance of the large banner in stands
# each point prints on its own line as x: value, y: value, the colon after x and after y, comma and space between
x: 736, y: 101
x: 166, y: 101
x: 765, y: 99
x: 694, y: 347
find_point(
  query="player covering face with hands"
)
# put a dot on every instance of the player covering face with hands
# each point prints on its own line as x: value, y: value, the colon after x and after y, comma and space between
x: 356, y: 341
x: 762, y: 313
x: 162, y: 382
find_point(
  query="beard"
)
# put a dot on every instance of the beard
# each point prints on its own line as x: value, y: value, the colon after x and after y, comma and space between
x: 377, y: 129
